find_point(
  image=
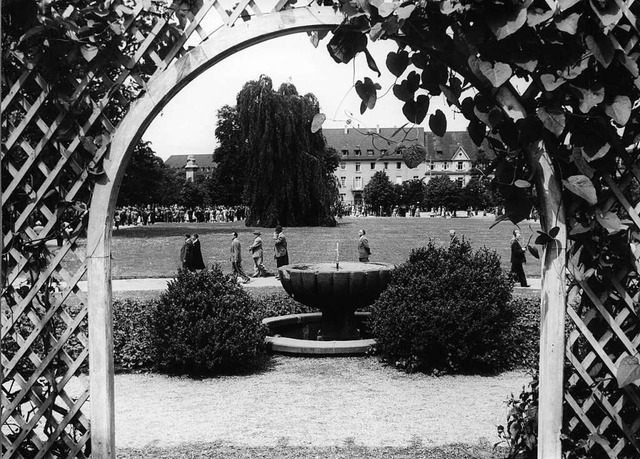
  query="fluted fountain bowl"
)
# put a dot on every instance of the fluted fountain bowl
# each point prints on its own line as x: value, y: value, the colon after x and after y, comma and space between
x: 336, y: 292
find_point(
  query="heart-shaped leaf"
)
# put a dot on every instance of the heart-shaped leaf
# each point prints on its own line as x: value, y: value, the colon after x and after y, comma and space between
x: 579, y: 229
x: 497, y: 74
x: 416, y: 111
x: 619, y: 110
x: 553, y: 232
x: 534, y: 251
x: 628, y: 371
x: 508, y: 21
x: 608, y: 12
x: 569, y: 24
x: 593, y: 152
x: 438, y: 123
x: 602, y: 48
x: 89, y: 52
x: 397, y: 62
x: 408, y: 87
x: 318, y: 120
x: 536, y: 16
x: 345, y: 44
x: 372, y: 63
x: 543, y: 238
x: 554, y: 121
x: 609, y: 221
x: 551, y: 82
x: 405, y: 11
x: 581, y: 186
x: 477, y: 131
x: 385, y: 9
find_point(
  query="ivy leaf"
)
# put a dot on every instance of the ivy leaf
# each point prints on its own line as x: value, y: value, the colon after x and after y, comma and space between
x: 345, y: 44
x: 89, y: 52
x: 609, y: 221
x: 553, y: 232
x: 317, y: 122
x: 581, y: 186
x: 505, y: 23
x: 367, y: 91
x: 628, y: 371
x: 438, y: 123
x: 553, y: 121
x: 416, y: 111
x: 397, y: 62
x: 619, y: 110
x: 534, y: 252
x: 551, y: 82
x: 497, y: 74
x: 593, y: 152
x: 602, y: 49
x: 569, y: 24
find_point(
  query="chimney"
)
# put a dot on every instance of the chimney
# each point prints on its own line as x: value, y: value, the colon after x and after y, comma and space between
x: 377, y: 129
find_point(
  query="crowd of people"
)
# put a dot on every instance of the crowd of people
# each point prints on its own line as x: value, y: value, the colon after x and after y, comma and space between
x: 148, y: 215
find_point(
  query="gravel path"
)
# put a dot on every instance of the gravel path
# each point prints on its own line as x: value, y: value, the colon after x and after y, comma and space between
x: 313, y: 402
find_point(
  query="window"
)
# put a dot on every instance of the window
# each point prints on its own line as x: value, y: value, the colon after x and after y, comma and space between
x: 373, y: 166
x: 343, y: 165
x: 439, y: 152
x: 460, y: 165
x: 386, y: 165
x: 369, y: 152
x: 415, y: 177
x: 342, y: 196
x: 432, y: 166
x: 343, y: 182
x: 357, y: 167
x: 357, y: 183
x: 345, y: 152
x: 398, y: 165
x: 460, y: 182
x: 399, y: 180
x: 445, y: 165
x: 358, y: 153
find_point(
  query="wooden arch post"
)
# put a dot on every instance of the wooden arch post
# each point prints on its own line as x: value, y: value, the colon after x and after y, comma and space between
x: 160, y: 90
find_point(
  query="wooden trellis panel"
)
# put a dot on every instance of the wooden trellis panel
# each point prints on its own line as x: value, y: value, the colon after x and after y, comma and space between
x: 51, y: 155
x: 607, y: 328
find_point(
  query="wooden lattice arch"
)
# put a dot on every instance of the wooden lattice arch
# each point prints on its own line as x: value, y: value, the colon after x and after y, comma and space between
x: 62, y: 162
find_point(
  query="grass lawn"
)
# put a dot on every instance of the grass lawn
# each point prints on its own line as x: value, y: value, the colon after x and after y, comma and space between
x: 153, y: 251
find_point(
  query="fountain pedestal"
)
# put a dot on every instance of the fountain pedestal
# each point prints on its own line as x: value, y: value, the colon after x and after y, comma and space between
x: 338, y: 293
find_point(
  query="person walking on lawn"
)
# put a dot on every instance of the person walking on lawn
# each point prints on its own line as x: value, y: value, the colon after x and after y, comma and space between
x: 281, y: 249
x: 518, y: 259
x: 198, y: 262
x: 186, y: 253
x: 363, y: 246
x: 257, y: 255
x: 236, y: 258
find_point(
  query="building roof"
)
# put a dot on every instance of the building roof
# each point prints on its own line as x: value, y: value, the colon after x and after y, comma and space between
x: 179, y: 161
x: 379, y: 140
x: 446, y: 148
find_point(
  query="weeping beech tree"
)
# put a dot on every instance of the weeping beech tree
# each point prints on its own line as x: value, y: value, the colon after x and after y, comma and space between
x: 289, y: 179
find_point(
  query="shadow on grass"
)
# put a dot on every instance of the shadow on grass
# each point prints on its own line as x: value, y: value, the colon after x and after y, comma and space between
x: 282, y: 451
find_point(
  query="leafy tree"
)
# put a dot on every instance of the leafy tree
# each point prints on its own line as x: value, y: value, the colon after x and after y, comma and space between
x: 231, y: 157
x: 289, y: 177
x: 441, y: 191
x: 410, y: 192
x: 380, y: 193
x: 476, y: 194
x: 146, y: 178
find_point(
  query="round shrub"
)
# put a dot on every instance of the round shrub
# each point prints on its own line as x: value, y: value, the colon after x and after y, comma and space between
x: 206, y: 324
x: 133, y: 347
x: 447, y: 309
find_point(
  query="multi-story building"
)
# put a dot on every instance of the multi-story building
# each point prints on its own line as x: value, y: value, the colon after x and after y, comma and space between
x: 364, y: 151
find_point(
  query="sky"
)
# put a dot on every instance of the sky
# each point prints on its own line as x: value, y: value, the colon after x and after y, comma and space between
x: 187, y: 124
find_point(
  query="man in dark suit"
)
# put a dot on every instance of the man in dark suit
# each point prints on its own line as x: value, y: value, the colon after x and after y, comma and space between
x: 518, y: 259
x: 280, y: 247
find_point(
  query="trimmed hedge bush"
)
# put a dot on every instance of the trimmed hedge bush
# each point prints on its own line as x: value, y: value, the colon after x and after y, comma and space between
x: 133, y: 346
x: 447, y: 309
x: 206, y: 324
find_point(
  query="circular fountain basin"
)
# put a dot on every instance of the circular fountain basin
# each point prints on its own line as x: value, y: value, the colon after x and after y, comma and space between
x: 337, y: 291
x: 294, y: 334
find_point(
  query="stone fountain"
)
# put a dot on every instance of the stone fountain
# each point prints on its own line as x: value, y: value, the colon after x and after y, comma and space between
x: 337, y: 290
